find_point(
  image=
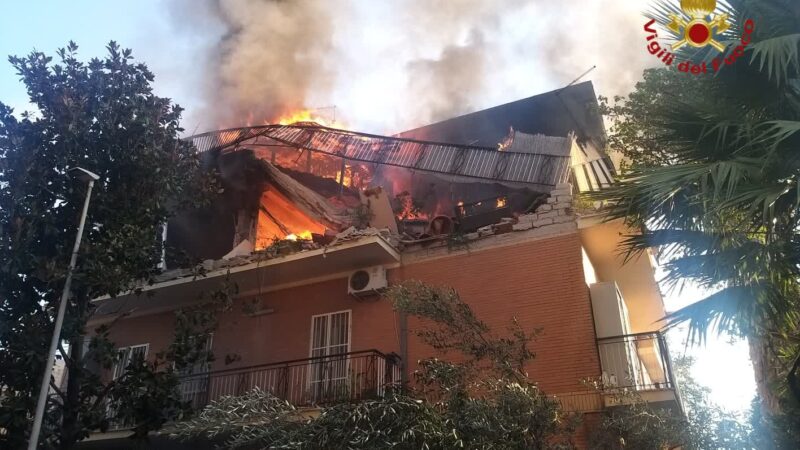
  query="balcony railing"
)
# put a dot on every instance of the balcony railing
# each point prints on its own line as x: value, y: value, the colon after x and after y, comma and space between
x: 302, y: 382
x: 637, y: 362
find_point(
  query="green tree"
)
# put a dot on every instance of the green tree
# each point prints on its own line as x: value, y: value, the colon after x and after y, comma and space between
x: 485, y: 401
x: 772, y: 431
x: 718, y: 186
x: 637, y: 129
x: 643, y: 426
x: 103, y: 116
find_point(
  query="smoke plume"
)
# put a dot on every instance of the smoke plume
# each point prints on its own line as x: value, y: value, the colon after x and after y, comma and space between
x: 272, y: 56
x: 403, y: 63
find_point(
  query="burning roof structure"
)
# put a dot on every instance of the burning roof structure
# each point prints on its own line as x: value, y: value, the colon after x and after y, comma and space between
x: 547, y: 167
x: 309, y: 182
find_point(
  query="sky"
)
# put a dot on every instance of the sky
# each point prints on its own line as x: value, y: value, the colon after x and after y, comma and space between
x: 377, y: 62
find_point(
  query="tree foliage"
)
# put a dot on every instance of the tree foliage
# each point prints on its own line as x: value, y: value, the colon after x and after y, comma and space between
x: 485, y: 401
x: 102, y: 116
x: 644, y: 426
x: 715, y: 183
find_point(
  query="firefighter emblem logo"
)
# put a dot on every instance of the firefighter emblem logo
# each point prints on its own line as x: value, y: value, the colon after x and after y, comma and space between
x: 697, y: 31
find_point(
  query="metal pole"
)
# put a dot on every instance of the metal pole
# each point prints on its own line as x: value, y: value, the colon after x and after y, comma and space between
x: 62, y: 307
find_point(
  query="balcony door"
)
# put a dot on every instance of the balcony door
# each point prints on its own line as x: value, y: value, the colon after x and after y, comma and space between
x: 330, y: 343
x: 194, y: 378
x: 126, y: 356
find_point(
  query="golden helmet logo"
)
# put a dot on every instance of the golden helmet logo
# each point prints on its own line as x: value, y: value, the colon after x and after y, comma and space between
x: 697, y: 31
x: 698, y: 26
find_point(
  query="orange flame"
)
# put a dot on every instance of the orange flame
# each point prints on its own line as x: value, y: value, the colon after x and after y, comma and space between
x: 303, y: 236
x: 307, y: 115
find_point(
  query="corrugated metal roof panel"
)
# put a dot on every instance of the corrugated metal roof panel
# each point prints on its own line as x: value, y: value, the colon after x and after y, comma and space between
x: 544, y: 162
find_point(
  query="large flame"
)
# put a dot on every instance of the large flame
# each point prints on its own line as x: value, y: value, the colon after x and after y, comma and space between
x: 307, y: 115
x: 279, y: 218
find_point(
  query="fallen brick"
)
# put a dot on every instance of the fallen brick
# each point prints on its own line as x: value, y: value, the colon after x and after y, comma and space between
x: 501, y: 228
x: 563, y: 219
x: 545, y: 215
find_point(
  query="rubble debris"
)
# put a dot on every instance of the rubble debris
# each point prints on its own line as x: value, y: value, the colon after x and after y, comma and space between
x: 440, y: 225
x: 377, y: 200
x: 554, y: 210
x: 244, y: 248
x: 352, y: 234
x: 503, y: 227
x: 312, y: 204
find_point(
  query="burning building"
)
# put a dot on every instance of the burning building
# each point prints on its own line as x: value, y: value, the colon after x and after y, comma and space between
x: 315, y: 221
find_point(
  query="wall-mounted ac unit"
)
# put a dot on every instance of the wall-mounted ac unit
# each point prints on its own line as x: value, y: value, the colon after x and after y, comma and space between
x: 367, y: 281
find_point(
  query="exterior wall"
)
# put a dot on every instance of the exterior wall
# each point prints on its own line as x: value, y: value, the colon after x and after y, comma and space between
x: 541, y: 283
x: 635, y: 278
x: 285, y: 333
x: 278, y: 336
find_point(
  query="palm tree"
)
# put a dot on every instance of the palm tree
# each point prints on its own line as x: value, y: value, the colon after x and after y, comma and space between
x: 722, y: 205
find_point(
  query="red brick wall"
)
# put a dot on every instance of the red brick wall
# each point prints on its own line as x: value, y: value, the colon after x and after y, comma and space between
x: 541, y: 284
x: 279, y: 336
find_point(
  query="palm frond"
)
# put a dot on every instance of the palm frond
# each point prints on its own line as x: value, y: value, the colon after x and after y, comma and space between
x: 719, y: 312
x: 779, y: 56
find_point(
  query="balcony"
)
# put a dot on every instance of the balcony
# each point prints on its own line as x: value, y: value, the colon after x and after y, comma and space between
x: 258, y: 276
x: 638, y: 364
x: 303, y: 382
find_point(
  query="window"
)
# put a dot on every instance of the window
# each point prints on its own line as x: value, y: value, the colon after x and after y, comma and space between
x: 128, y: 355
x: 194, y: 378
x: 330, y: 343
x: 125, y: 357
x: 202, y: 365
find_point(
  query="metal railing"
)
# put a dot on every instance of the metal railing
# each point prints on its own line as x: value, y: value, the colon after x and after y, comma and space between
x: 637, y: 362
x: 310, y: 381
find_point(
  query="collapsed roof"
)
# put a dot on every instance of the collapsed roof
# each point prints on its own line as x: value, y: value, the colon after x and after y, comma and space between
x: 543, y: 169
x: 485, y: 165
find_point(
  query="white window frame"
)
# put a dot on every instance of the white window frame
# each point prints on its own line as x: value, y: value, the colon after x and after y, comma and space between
x: 126, y: 360
x: 310, y: 376
x: 327, y: 339
x: 117, y: 371
x: 191, y: 388
x: 209, y: 346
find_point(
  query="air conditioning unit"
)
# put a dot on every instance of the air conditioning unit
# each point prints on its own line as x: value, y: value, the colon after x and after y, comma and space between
x: 367, y: 281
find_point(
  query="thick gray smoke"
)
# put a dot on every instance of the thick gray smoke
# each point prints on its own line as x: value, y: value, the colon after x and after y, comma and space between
x: 448, y: 84
x: 270, y: 56
x: 402, y: 63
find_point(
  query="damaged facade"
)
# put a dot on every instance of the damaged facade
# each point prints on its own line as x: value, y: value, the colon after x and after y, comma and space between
x: 314, y: 222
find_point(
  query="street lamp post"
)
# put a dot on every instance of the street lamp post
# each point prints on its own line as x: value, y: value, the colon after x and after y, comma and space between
x: 89, y: 178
